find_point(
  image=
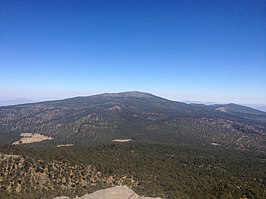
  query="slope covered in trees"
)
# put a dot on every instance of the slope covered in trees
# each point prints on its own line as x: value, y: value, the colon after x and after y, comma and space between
x: 179, y: 171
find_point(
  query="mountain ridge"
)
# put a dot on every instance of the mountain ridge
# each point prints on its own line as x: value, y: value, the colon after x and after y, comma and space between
x: 232, y: 107
x: 134, y: 94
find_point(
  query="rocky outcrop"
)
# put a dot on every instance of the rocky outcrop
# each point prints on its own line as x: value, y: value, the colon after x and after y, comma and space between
x: 119, y: 192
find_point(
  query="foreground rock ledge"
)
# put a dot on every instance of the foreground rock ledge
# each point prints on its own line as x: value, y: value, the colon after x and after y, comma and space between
x: 119, y: 192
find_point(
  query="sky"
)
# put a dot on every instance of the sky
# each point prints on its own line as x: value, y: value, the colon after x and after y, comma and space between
x: 212, y: 51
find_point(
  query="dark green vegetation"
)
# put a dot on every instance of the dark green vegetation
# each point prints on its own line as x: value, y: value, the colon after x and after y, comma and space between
x: 178, y: 150
x: 180, y: 171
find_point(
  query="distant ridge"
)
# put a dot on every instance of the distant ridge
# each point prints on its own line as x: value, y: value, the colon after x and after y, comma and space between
x: 235, y: 108
x: 231, y: 107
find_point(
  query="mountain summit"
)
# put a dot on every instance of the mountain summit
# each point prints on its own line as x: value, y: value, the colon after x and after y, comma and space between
x: 128, y: 94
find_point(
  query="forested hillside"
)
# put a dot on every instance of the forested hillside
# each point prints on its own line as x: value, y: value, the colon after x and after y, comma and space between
x: 152, y: 170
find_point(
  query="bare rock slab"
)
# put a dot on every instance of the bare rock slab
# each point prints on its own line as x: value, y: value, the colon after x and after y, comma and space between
x: 119, y: 192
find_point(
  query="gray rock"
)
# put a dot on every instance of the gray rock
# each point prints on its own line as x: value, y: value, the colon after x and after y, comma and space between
x: 119, y: 192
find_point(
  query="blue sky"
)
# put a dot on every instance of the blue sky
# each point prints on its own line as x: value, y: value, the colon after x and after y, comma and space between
x: 182, y: 50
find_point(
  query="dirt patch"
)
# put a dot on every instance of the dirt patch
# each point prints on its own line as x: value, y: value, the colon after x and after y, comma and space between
x: 31, y: 137
x: 122, y: 140
x: 64, y: 145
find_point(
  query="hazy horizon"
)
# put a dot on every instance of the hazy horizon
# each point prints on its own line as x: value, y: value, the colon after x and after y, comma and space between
x: 208, y: 51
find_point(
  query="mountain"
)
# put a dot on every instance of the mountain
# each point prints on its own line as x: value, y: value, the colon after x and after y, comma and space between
x: 242, y: 111
x: 135, y: 116
x: 235, y: 108
x: 157, y: 147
